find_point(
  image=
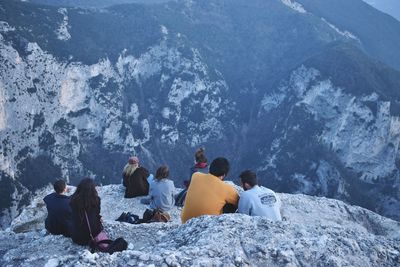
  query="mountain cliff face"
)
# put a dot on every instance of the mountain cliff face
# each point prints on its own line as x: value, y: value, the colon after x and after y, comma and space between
x: 304, y: 96
x: 315, y: 232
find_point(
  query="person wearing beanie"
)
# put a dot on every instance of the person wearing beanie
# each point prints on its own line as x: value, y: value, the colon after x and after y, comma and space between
x: 59, y: 213
x: 208, y: 194
x: 135, y: 179
x: 129, y: 169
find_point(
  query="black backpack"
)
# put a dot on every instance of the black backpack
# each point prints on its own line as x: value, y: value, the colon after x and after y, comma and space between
x: 117, y: 245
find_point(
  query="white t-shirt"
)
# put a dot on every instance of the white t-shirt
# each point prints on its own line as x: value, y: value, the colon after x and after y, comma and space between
x: 260, y: 201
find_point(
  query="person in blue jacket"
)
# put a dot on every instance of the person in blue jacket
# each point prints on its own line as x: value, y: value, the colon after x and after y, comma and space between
x: 59, y: 218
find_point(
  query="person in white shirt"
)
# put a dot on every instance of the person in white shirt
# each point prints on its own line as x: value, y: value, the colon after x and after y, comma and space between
x: 256, y: 200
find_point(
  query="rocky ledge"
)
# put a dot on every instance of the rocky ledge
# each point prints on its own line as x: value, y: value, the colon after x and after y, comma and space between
x: 315, y: 232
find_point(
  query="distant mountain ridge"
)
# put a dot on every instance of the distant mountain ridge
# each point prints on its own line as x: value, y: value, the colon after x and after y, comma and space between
x: 297, y: 90
x: 391, y: 7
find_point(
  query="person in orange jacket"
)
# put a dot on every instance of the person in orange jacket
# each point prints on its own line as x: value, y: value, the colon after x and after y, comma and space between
x: 208, y: 193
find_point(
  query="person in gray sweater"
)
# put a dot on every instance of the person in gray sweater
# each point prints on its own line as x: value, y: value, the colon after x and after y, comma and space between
x: 162, y: 191
x: 256, y: 200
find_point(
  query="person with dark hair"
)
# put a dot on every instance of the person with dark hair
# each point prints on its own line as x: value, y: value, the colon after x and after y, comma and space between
x: 59, y: 214
x: 200, y: 165
x: 85, y: 202
x: 162, y: 191
x: 256, y: 200
x: 135, y: 179
x: 208, y: 193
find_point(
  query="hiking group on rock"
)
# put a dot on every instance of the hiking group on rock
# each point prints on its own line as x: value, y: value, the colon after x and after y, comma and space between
x: 205, y: 193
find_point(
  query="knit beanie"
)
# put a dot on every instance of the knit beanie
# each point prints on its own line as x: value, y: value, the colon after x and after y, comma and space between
x: 133, y: 160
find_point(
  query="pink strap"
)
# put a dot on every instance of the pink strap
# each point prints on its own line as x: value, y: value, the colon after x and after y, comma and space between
x: 90, y: 229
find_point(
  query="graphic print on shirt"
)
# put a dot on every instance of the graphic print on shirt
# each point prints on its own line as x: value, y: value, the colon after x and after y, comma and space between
x: 267, y: 199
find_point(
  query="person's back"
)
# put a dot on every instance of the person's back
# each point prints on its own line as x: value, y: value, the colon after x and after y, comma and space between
x: 208, y: 194
x: 199, y: 166
x: 59, y: 214
x: 85, y: 199
x: 137, y: 184
x: 258, y: 201
x: 162, y: 191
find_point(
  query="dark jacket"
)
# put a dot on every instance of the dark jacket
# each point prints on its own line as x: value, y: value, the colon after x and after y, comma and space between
x: 59, y: 217
x: 137, y: 184
x: 80, y: 229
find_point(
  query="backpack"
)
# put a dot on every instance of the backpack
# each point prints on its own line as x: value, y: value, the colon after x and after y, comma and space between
x: 160, y: 216
x: 156, y: 215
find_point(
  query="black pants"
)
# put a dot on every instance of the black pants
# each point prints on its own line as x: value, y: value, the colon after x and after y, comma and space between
x: 229, y: 208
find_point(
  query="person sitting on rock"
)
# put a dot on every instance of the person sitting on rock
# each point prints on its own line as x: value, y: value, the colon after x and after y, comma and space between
x: 59, y: 214
x: 129, y: 169
x: 199, y: 166
x: 208, y: 194
x: 258, y: 201
x: 135, y: 179
x: 161, y: 199
x: 162, y: 191
x: 85, y: 204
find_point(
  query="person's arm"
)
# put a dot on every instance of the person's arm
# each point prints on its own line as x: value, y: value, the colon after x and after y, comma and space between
x: 232, y: 195
x: 244, y: 205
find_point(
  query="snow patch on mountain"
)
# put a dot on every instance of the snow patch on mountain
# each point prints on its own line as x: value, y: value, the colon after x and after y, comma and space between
x: 345, y: 33
x: 294, y: 5
x: 62, y: 31
x: 315, y: 231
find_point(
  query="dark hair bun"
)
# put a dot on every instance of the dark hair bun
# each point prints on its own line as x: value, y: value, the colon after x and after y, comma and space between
x: 199, y: 155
